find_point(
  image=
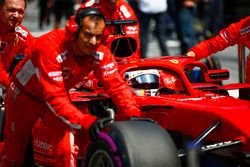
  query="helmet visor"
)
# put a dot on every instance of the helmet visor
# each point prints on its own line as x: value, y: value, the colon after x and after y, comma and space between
x: 145, y: 81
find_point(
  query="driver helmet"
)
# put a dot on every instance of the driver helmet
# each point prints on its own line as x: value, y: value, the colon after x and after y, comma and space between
x: 143, y: 82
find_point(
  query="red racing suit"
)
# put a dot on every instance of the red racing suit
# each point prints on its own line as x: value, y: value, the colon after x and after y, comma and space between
x: 12, y: 42
x: 40, y: 88
x: 123, y: 11
x: 234, y: 34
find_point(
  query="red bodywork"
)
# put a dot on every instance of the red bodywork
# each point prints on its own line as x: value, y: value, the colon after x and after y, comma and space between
x: 189, y: 111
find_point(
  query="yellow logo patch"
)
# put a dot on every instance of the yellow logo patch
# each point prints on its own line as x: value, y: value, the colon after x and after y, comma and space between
x: 175, y: 61
x: 16, y: 41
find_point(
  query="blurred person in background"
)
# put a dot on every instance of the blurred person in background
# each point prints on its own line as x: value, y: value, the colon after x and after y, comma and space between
x: 209, y: 18
x: 14, y: 38
x: 185, y: 18
x: 235, y: 33
x: 62, y: 8
x: 171, y: 25
x: 156, y: 10
x: 45, y: 7
x: 133, y: 4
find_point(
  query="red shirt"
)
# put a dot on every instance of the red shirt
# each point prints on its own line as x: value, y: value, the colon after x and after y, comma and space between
x: 49, y: 70
x: 11, y: 43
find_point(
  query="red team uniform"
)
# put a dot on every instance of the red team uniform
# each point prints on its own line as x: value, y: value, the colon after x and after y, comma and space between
x: 234, y: 34
x: 43, y: 81
x: 12, y: 42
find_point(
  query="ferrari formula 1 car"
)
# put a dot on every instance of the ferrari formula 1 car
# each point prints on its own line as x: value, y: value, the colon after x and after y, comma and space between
x: 213, y: 118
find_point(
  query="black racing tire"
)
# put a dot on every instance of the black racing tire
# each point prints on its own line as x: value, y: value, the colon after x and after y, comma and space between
x: 133, y: 144
x: 100, y: 154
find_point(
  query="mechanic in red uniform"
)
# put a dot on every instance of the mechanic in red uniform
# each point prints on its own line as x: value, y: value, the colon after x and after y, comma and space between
x: 234, y: 34
x: 14, y: 37
x: 41, y: 82
x: 117, y: 10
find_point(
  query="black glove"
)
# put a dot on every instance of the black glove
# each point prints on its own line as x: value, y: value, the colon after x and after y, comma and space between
x: 97, y: 126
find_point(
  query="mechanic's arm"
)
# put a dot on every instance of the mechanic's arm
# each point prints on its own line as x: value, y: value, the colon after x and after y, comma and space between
x: 227, y: 37
x: 207, y: 47
x: 56, y: 95
x: 116, y: 88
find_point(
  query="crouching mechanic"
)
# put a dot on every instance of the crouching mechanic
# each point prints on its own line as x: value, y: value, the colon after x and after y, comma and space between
x: 41, y: 82
x: 235, y: 33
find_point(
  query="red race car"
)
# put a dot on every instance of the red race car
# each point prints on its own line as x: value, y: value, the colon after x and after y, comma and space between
x: 205, y: 113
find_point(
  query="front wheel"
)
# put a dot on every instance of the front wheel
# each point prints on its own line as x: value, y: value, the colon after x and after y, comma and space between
x: 100, y: 155
x: 133, y: 144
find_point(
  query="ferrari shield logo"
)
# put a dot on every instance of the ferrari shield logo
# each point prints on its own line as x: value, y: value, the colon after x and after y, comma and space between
x: 175, y: 61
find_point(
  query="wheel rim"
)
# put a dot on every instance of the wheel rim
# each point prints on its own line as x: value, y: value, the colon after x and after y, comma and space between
x: 101, y: 159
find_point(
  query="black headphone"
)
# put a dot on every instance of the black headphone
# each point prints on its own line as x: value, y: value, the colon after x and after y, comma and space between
x: 74, y: 23
x: 87, y: 12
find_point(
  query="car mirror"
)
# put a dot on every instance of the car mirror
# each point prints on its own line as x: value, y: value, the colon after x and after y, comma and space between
x: 216, y: 75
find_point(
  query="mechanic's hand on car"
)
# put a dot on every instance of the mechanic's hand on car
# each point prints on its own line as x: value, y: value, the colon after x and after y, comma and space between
x: 97, y: 126
x: 191, y: 54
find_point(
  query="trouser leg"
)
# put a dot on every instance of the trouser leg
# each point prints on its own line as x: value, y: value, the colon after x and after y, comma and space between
x: 144, y: 21
x: 161, y: 32
x: 62, y: 137
x: 21, y: 113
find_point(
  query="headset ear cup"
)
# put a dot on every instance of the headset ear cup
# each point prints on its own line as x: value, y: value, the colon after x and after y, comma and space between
x: 73, y: 25
x: 71, y: 28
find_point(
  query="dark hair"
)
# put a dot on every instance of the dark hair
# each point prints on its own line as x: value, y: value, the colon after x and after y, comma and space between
x: 3, y: 1
x: 93, y: 12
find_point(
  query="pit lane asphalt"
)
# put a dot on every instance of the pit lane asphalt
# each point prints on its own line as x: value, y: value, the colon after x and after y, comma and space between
x: 227, y: 57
